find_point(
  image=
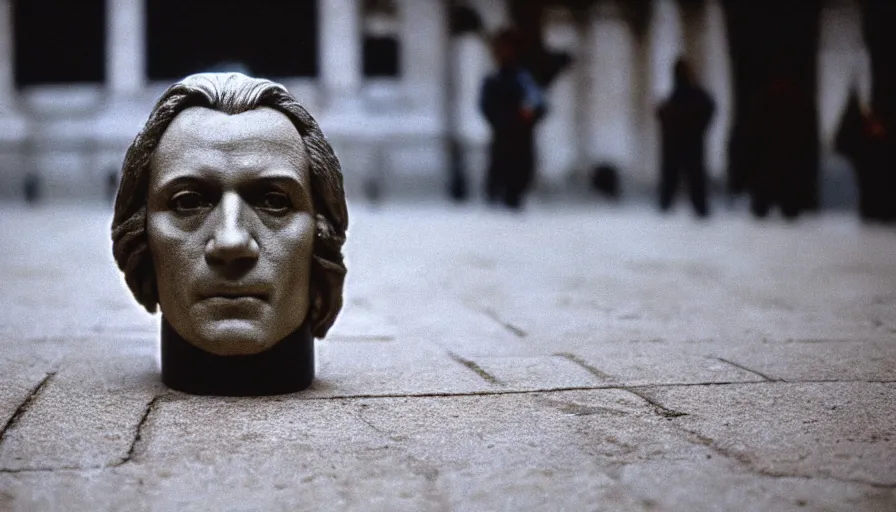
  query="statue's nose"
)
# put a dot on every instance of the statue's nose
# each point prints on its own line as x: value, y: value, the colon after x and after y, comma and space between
x: 232, y: 241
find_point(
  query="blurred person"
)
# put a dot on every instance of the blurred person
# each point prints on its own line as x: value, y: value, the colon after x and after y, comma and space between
x: 684, y: 118
x: 512, y: 103
x: 876, y: 177
x: 865, y: 141
x: 605, y: 181
x: 781, y: 134
x: 875, y: 158
x: 32, y: 188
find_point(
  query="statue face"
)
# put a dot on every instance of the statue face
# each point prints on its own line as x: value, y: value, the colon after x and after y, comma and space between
x: 231, y: 227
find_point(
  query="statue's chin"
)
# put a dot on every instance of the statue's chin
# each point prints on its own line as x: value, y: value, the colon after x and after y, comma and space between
x: 234, y: 337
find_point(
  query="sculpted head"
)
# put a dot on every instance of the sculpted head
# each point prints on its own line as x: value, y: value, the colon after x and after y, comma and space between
x: 230, y: 215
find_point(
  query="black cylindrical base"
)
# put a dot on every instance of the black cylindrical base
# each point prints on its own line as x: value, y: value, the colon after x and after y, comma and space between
x: 285, y: 368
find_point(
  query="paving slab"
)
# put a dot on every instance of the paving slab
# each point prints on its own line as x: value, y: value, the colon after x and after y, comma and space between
x: 427, y: 315
x: 842, y: 430
x: 415, y: 453
x: 358, y: 321
x: 605, y: 449
x: 58, y: 268
x: 412, y: 453
x: 713, y: 485
x: 566, y: 358
x: 806, y: 360
x: 537, y: 372
x: 375, y: 368
x: 83, y: 416
x: 639, y: 364
x: 18, y: 381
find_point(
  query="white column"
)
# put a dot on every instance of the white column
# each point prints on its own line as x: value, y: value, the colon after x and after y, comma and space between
x: 14, y: 128
x: 716, y: 77
x: 706, y: 48
x: 663, y: 44
x: 339, y: 29
x: 125, y: 46
x: 557, y: 148
x: 843, y: 63
x: 666, y: 41
x: 7, y: 77
x: 609, y: 99
x: 495, y: 14
x: 471, y: 64
x: 424, y: 43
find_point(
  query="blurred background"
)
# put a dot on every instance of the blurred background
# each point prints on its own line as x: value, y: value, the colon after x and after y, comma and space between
x: 396, y: 85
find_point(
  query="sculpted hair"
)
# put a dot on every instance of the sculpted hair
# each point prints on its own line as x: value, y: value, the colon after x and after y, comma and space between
x: 233, y: 93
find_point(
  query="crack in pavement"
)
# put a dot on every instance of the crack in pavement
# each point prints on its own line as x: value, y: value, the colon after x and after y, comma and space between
x: 598, y: 387
x: 138, y: 430
x: 739, y: 457
x: 475, y: 368
x: 660, y: 409
x: 138, y: 435
x: 6, y: 471
x: 744, y: 368
x: 746, y: 463
x: 23, y: 407
x: 375, y: 428
x: 569, y: 356
x: 516, y: 331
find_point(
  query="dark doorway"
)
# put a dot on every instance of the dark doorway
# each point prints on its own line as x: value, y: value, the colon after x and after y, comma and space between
x: 59, y: 41
x: 270, y: 38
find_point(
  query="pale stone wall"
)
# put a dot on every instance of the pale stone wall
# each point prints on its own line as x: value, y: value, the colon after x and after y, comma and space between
x: 843, y: 63
x: 609, y: 101
x: 393, y: 131
x: 558, y: 156
x: 716, y: 77
x: 13, y: 126
x: 664, y: 44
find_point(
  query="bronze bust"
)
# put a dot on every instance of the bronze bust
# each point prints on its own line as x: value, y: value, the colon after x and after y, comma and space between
x: 230, y: 217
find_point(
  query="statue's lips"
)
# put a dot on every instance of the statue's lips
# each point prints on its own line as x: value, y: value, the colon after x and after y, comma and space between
x: 233, y: 305
x: 234, y: 295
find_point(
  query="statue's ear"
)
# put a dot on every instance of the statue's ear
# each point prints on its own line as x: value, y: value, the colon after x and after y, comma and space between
x: 326, y: 295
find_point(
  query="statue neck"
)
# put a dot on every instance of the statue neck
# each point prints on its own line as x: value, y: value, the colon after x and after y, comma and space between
x: 285, y: 368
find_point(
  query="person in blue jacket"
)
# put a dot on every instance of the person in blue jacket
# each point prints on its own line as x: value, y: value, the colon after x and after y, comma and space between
x: 512, y: 103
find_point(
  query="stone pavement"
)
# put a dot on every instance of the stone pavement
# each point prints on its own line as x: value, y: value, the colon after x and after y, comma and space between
x: 576, y: 358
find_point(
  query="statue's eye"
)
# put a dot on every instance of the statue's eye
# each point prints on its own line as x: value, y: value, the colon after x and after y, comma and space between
x: 275, y: 202
x: 187, y: 201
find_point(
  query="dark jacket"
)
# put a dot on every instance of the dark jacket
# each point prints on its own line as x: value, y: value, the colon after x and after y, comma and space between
x: 684, y: 118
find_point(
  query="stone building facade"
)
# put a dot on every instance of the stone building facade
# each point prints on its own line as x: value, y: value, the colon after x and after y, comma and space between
x: 390, y: 126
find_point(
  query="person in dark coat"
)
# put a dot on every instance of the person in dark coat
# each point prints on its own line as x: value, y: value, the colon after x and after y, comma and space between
x: 782, y: 158
x: 684, y: 118
x: 863, y: 139
x: 512, y: 103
